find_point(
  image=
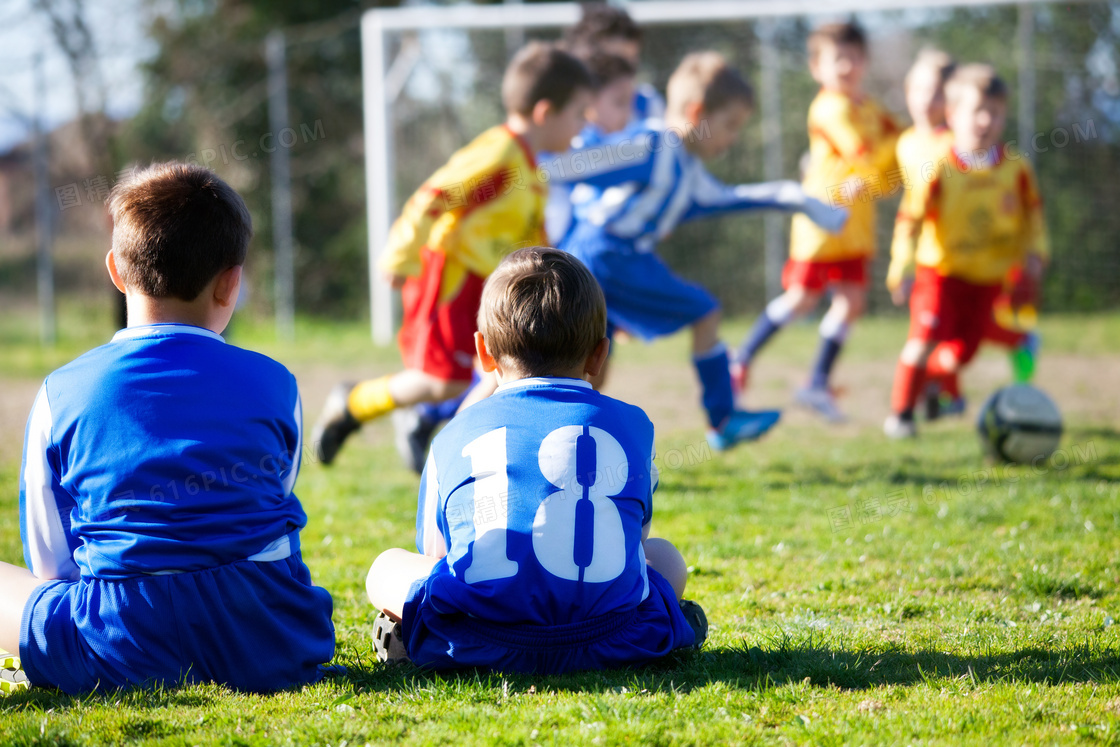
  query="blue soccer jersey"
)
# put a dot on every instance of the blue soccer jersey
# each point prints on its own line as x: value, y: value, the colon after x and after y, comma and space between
x: 156, y: 504
x: 164, y: 450
x: 536, y: 499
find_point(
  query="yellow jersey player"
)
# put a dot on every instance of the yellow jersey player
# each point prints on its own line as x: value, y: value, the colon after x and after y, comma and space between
x: 964, y: 229
x: 851, y: 162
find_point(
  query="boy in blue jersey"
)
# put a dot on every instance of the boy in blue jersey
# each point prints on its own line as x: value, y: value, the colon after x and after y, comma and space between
x: 651, y: 179
x: 160, y: 530
x: 535, y: 504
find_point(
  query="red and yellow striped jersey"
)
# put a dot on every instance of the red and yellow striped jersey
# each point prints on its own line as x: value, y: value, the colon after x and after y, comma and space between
x: 484, y: 203
x: 848, y: 139
x: 970, y: 223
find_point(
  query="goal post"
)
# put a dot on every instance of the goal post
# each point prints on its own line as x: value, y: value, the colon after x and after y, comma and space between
x: 384, y: 76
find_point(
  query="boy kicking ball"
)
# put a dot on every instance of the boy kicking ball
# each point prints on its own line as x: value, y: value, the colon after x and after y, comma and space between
x: 651, y: 178
x: 535, y: 504
x: 159, y: 526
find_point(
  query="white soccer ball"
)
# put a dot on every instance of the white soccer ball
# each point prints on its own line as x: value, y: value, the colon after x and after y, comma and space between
x: 1019, y: 424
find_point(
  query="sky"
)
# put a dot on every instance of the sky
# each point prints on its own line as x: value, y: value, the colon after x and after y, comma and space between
x: 121, y: 45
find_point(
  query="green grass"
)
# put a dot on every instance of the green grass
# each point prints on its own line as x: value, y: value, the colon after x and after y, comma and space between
x: 956, y: 604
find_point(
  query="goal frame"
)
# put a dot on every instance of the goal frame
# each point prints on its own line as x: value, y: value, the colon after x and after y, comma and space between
x: 383, y: 79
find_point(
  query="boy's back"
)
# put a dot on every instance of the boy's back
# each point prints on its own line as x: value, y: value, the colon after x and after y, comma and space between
x: 180, y: 450
x: 539, y: 494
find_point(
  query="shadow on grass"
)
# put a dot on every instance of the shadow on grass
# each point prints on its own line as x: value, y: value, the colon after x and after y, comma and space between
x: 785, y: 663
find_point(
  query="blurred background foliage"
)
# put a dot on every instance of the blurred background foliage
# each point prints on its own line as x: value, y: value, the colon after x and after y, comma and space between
x: 206, y: 99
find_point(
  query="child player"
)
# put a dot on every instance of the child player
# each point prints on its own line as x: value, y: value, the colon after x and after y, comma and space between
x: 535, y: 504
x: 160, y: 530
x: 454, y: 231
x: 605, y: 29
x: 921, y: 146
x: 609, y: 112
x: 652, y: 178
x: 964, y: 230
x: 851, y: 147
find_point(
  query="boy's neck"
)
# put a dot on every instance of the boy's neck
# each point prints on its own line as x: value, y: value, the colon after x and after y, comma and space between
x: 144, y: 310
x: 680, y: 123
x: 523, y: 127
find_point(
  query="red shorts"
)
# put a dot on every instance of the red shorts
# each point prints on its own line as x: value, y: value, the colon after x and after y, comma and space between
x: 437, y: 337
x: 816, y: 276
x: 950, y: 310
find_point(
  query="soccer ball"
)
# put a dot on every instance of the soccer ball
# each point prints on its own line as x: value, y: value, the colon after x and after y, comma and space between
x: 12, y: 680
x: 1019, y: 424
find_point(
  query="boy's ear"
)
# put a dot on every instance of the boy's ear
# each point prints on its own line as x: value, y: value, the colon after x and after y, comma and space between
x: 694, y: 112
x: 598, y: 358
x: 487, y: 361
x: 540, y: 112
x: 227, y: 286
x: 111, y: 266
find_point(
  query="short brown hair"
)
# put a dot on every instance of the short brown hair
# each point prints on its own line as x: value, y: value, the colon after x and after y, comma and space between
x: 175, y: 227
x: 600, y: 21
x: 982, y: 78
x: 941, y: 63
x: 706, y: 77
x: 607, y: 68
x: 542, y: 312
x: 836, y: 33
x: 542, y: 72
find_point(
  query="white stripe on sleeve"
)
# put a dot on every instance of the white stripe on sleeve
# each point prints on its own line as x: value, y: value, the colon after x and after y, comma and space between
x: 290, y: 478
x: 46, y: 543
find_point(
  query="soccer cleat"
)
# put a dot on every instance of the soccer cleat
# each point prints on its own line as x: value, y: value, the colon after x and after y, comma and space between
x: 1024, y: 358
x: 413, y: 436
x: 335, y: 424
x: 12, y: 676
x: 388, y: 640
x: 821, y: 400
x: 953, y: 405
x: 741, y: 425
x: 697, y: 620
x: 740, y: 374
x: 897, y: 428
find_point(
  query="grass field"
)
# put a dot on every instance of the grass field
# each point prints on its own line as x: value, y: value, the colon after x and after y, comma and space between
x: 859, y: 591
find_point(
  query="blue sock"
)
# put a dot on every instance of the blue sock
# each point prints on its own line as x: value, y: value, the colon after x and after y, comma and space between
x: 773, y: 318
x: 826, y: 358
x: 438, y: 412
x: 713, y: 368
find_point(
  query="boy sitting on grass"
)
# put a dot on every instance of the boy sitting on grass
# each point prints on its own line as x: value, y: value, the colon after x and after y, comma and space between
x: 535, y: 504
x: 160, y: 530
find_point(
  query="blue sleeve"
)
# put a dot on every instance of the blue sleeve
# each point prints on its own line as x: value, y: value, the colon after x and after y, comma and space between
x: 711, y: 197
x: 624, y: 157
x: 44, y: 505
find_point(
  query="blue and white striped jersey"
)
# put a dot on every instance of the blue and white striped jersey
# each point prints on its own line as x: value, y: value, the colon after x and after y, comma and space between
x: 649, y: 183
x: 535, y: 499
x: 164, y: 450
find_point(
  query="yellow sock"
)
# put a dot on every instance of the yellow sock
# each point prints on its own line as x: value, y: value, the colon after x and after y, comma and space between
x: 371, y: 399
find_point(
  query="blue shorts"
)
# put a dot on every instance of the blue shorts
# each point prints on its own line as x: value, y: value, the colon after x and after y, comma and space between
x: 620, y: 639
x: 254, y: 626
x: 644, y: 297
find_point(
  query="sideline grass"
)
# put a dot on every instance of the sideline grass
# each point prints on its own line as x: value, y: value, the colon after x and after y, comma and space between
x: 860, y: 592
